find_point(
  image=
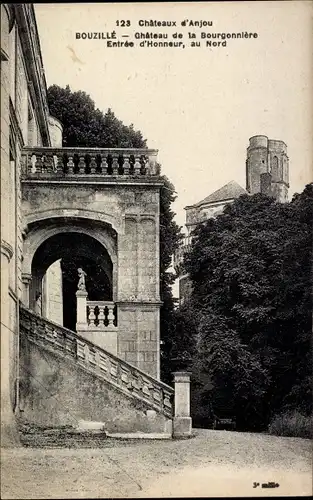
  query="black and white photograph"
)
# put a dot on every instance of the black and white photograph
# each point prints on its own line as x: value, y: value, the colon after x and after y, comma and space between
x: 156, y: 249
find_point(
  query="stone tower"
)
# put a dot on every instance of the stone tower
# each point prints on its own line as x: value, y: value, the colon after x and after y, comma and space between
x: 267, y: 167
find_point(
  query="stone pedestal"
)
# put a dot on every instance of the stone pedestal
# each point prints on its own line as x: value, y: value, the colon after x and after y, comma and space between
x: 182, y: 423
x: 81, y: 303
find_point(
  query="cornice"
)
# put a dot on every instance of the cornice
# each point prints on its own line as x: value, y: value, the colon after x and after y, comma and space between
x: 29, y: 38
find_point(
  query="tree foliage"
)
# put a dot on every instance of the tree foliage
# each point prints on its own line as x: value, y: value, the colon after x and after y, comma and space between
x: 250, y: 269
x: 86, y: 126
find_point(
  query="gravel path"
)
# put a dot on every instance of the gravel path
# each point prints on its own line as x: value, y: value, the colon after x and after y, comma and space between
x: 212, y: 463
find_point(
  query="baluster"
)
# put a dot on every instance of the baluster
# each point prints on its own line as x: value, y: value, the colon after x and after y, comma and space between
x: 146, y: 390
x: 124, y: 376
x: 104, y: 165
x: 81, y: 165
x: 86, y: 353
x: 137, y: 166
x: 126, y: 165
x: 93, y: 165
x: 113, y: 369
x: 70, y: 165
x: 110, y: 315
x: 115, y: 165
x: 68, y: 344
x: 80, y: 352
x: 61, y: 166
x: 33, y: 160
x: 167, y: 401
x: 92, y: 315
x: 56, y: 164
x: 97, y: 359
x: 156, y: 395
x: 103, y: 362
x: 101, y: 316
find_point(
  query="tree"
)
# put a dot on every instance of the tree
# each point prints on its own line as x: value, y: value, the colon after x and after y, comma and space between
x: 84, y: 125
x: 250, y: 271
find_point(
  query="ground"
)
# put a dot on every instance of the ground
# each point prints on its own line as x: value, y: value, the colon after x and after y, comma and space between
x: 213, y: 463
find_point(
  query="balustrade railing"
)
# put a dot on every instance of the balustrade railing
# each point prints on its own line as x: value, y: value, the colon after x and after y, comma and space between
x: 119, y: 373
x: 58, y: 162
x: 101, y: 314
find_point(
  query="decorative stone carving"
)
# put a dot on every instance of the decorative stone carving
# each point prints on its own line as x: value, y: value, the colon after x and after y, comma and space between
x: 81, y: 281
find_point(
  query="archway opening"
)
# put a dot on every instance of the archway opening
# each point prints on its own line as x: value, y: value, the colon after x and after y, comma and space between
x: 55, y: 275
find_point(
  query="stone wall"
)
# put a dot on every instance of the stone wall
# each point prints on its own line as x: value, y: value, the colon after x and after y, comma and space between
x: 20, y: 109
x: 55, y: 391
x: 139, y: 335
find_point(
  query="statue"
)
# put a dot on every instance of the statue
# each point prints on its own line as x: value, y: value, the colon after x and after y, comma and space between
x: 81, y: 281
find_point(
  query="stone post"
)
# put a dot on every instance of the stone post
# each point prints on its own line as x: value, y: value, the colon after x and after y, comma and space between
x: 182, y: 424
x: 9, y: 433
x: 81, y: 315
x: 26, y: 279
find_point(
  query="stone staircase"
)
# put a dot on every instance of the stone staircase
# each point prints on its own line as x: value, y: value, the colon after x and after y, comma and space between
x: 66, y: 378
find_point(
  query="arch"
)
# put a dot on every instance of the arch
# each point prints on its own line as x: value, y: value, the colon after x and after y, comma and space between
x: 40, y: 216
x: 38, y: 234
x: 73, y: 249
x: 67, y: 245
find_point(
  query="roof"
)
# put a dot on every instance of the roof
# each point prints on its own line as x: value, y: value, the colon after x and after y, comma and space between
x: 228, y: 192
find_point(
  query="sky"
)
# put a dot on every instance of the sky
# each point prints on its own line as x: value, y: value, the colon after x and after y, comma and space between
x: 198, y: 105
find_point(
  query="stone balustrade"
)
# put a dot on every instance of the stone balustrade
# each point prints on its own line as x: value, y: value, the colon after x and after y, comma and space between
x: 101, y: 314
x: 120, y: 374
x: 42, y: 162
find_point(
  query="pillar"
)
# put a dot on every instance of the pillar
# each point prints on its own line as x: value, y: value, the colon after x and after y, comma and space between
x: 26, y: 279
x: 9, y: 433
x: 182, y: 424
x: 81, y: 317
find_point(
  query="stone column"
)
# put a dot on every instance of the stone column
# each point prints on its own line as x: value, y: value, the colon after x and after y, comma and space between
x: 182, y: 424
x: 81, y: 315
x: 9, y: 434
x: 26, y: 279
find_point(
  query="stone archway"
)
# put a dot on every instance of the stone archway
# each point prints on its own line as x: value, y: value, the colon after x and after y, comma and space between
x: 72, y: 250
x: 73, y: 246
